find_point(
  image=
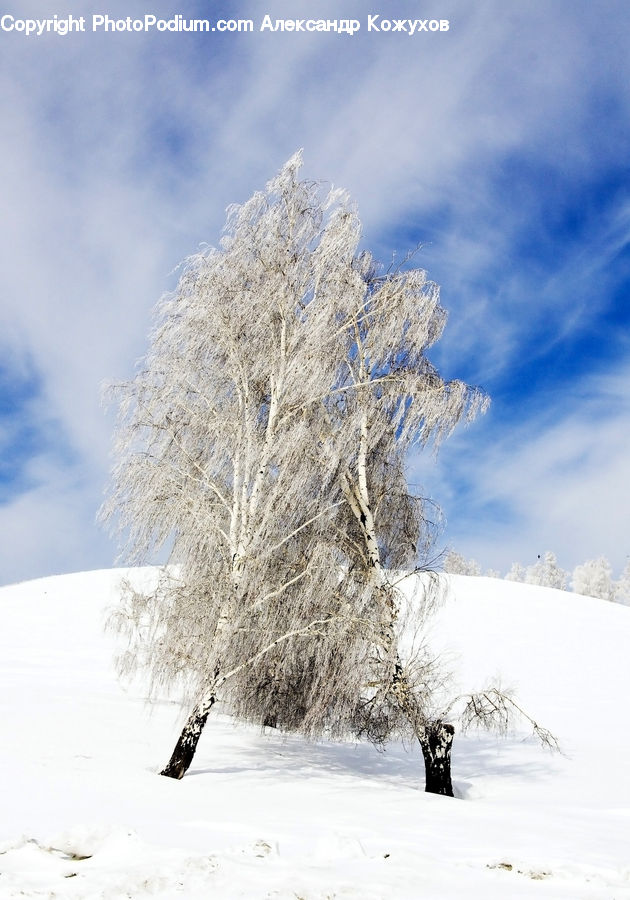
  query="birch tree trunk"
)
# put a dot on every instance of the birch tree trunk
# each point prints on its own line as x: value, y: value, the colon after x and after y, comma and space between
x: 436, y: 750
x: 186, y: 746
x: 243, y: 515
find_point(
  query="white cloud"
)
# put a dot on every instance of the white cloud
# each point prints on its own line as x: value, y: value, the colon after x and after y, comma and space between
x: 49, y: 529
x: 102, y: 207
x: 557, y: 481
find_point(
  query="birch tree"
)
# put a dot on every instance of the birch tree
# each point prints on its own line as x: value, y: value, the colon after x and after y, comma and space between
x: 547, y: 573
x: 456, y: 564
x: 622, y: 594
x: 517, y: 573
x: 263, y: 441
x: 594, y: 579
x: 215, y: 455
x: 385, y: 397
x: 389, y: 397
x: 219, y: 456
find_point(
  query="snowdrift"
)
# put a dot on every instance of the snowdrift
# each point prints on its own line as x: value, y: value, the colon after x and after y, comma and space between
x: 85, y: 814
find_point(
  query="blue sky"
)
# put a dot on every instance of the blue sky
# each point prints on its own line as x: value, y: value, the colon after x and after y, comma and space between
x: 500, y: 145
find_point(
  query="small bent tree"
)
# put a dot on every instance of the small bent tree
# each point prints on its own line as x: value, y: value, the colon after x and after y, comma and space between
x: 393, y: 397
x: 264, y: 442
x: 435, y: 715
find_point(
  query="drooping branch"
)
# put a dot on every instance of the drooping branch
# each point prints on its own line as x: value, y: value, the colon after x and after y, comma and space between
x: 494, y: 709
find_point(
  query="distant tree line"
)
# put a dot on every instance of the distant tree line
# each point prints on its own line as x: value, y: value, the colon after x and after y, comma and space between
x: 593, y: 578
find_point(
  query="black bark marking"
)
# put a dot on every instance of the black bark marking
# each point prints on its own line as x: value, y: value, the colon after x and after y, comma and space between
x: 185, y: 748
x: 436, y: 749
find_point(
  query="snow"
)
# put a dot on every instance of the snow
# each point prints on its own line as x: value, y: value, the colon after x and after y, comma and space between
x: 85, y: 814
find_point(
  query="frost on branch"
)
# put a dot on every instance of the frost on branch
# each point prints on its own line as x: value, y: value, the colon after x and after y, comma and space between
x: 495, y: 709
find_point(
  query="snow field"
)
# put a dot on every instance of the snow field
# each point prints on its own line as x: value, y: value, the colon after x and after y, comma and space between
x: 85, y: 815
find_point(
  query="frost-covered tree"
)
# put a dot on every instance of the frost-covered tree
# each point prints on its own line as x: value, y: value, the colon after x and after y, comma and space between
x: 594, y: 579
x: 547, y: 573
x: 516, y: 573
x: 218, y: 455
x: 623, y: 586
x: 263, y: 441
x: 388, y: 397
x: 456, y: 564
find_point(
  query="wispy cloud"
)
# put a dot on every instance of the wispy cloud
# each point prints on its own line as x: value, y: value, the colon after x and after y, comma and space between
x: 557, y: 480
x: 120, y: 153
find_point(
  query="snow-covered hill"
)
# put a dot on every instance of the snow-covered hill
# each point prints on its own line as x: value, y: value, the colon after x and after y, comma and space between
x: 84, y: 814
